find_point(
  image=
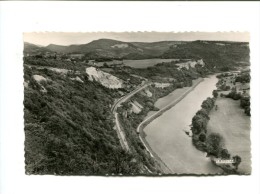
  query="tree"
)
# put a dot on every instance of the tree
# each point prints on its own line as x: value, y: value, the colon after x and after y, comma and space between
x: 237, y: 160
x: 244, y: 101
x: 215, y: 93
x: 199, y: 123
x: 202, y: 137
x: 208, y: 104
x: 248, y: 110
x: 203, y: 113
x: 214, y: 143
x: 224, y: 154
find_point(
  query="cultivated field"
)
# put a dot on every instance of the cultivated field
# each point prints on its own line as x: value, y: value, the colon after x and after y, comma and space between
x: 232, y: 123
x: 144, y: 63
x: 162, y: 102
x: 230, y: 81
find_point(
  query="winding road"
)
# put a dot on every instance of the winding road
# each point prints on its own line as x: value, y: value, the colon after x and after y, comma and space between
x: 120, y: 132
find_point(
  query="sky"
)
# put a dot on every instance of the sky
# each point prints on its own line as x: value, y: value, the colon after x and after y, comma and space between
x: 67, y: 38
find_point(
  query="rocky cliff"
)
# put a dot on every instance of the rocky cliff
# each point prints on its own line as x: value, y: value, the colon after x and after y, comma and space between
x: 104, y: 78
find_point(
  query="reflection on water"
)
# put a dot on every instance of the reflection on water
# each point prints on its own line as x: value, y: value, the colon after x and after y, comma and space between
x: 167, y: 138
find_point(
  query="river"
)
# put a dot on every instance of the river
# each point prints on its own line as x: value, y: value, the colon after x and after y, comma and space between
x: 167, y: 138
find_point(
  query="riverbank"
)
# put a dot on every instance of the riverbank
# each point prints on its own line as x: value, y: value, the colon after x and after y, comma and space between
x: 234, y: 125
x: 223, y: 132
x: 167, y: 107
x: 142, y: 125
x: 167, y: 138
x: 166, y: 100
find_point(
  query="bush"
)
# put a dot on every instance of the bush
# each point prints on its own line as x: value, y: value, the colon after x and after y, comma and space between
x: 224, y: 154
x: 234, y: 95
x: 237, y: 160
x: 215, y: 93
x: 214, y: 144
x: 248, y: 110
x: 227, y: 88
x: 202, y: 137
x: 244, y: 102
x: 208, y: 104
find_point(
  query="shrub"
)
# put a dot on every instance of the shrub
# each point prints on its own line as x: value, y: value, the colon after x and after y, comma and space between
x: 248, y: 110
x: 224, y: 154
x: 237, y: 160
x: 214, y: 144
x: 202, y: 137
x: 234, y: 95
x: 215, y: 93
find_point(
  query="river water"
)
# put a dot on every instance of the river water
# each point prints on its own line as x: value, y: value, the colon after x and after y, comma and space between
x: 166, y: 134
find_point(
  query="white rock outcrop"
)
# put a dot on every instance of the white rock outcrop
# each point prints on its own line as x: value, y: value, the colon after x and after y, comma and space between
x: 191, y: 64
x: 104, y: 78
x: 26, y: 84
x: 77, y: 79
x: 39, y: 78
x: 136, y: 107
x: 120, y: 45
x: 148, y: 93
x: 161, y: 85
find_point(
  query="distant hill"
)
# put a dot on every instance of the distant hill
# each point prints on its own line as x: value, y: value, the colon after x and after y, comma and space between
x: 57, y: 48
x: 33, y: 49
x: 105, y: 48
x: 216, y: 54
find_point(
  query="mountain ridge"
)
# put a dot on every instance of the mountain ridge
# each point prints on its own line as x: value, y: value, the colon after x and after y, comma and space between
x: 215, y: 53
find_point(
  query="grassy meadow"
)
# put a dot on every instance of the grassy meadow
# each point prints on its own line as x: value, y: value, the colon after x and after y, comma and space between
x: 234, y: 125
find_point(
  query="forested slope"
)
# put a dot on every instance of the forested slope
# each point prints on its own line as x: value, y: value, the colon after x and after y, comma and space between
x: 69, y: 127
x: 220, y: 55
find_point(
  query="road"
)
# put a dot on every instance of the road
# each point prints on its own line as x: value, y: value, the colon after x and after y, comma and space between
x: 126, y: 97
x: 167, y: 106
x: 120, y: 132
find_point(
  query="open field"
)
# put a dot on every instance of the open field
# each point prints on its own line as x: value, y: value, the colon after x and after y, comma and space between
x: 230, y: 81
x: 164, y: 101
x: 144, y: 63
x: 232, y: 123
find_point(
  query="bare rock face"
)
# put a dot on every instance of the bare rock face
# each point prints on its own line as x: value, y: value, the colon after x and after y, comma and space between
x: 123, y: 45
x: 161, y: 85
x: 39, y: 78
x: 190, y: 64
x: 104, y: 78
x: 136, y: 107
x: 25, y: 84
x: 201, y: 62
x: 77, y: 79
x: 148, y: 93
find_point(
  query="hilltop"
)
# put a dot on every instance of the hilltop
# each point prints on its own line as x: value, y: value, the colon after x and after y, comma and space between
x: 221, y: 55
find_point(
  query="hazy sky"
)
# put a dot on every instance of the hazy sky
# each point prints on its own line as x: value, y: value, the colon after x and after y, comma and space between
x: 64, y: 38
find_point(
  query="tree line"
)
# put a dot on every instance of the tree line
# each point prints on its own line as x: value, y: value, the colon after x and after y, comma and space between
x: 213, y: 143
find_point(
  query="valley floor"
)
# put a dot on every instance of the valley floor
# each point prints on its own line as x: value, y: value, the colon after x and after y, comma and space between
x: 167, y: 138
x: 173, y: 96
x: 234, y: 125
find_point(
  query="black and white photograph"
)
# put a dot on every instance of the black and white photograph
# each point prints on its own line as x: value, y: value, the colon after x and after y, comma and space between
x: 129, y: 97
x: 137, y: 103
